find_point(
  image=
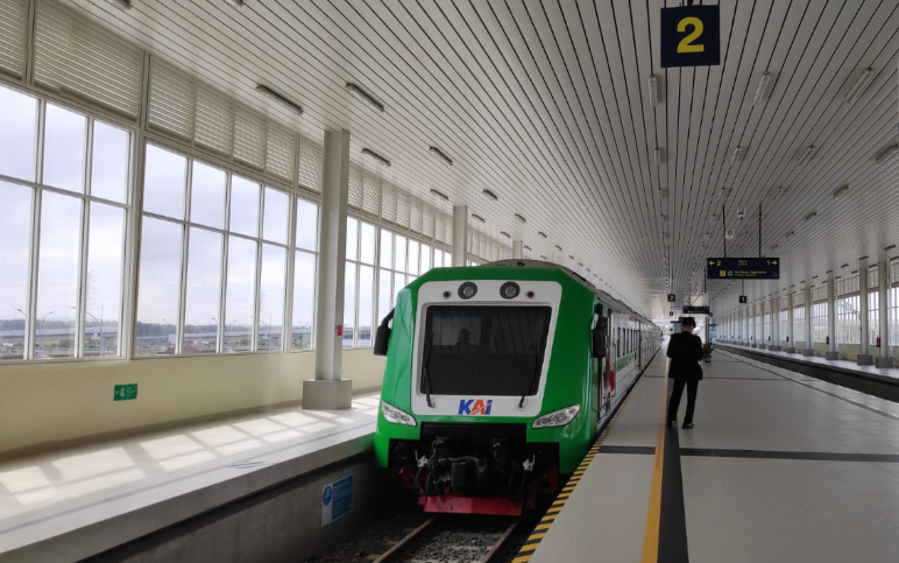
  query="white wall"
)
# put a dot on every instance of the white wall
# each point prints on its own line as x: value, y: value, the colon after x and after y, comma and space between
x: 46, y: 403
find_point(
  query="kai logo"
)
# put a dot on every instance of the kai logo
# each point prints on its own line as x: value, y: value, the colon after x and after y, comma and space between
x: 473, y: 407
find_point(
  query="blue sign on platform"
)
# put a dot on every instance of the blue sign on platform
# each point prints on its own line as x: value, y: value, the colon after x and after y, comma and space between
x: 337, y: 500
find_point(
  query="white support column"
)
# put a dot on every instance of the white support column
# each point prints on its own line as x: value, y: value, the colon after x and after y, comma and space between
x: 328, y: 390
x: 791, y: 346
x: 774, y: 315
x: 809, y: 340
x: 885, y: 357
x: 460, y: 235
x: 864, y: 357
x: 517, y: 249
x: 832, y: 353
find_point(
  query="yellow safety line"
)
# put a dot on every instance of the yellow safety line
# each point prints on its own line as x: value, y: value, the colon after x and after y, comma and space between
x: 651, y: 537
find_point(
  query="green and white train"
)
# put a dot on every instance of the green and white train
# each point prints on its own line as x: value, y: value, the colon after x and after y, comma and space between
x: 499, y: 379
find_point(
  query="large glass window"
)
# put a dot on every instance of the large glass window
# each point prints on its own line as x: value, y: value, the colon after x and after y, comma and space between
x: 229, y: 292
x: 784, y: 325
x: 799, y: 325
x: 848, y: 319
x: 819, y: 322
x: 77, y: 216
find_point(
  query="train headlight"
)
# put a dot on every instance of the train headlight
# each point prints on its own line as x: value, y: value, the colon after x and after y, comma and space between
x: 396, y: 416
x: 468, y: 290
x: 509, y: 290
x: 557, y: 418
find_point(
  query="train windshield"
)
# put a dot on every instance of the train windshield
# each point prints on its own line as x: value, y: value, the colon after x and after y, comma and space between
x: 484, y: 350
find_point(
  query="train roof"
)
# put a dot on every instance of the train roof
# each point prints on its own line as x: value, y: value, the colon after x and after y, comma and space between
x: 606, y: 298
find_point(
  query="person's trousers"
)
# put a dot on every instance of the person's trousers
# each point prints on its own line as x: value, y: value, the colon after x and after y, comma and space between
x: 676, y: 392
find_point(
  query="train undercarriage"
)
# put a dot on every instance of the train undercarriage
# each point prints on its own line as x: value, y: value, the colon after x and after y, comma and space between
x: 476, y: 468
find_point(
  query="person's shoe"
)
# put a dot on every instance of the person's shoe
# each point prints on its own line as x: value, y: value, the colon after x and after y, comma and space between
x: 687, y: 425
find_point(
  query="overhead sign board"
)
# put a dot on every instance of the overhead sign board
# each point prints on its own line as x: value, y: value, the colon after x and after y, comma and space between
x: 691, y: 310
x: 671, y: 298
x: 743, y: 268
x: 743, y: 299
x: 691, y: 36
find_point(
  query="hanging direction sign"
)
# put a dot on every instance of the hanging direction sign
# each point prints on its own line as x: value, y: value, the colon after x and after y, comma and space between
x: 743, y: 268
x: 691, y: 36
x: 691, y: 310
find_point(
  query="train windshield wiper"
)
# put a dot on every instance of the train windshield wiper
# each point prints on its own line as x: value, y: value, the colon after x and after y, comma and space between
x: 537, y: 371
x: 425, y: 372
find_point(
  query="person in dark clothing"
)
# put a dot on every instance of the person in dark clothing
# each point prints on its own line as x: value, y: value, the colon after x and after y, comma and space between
x: 685, y: 351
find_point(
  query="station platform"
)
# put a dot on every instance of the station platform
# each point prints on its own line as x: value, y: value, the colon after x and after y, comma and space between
x: 70, y: 505
x: 780, y: 467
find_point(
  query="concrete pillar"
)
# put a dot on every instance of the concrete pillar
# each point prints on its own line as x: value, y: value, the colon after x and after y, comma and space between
x: 791, y: 345
x: 517, y: 249
x: 809, y: 344
x: 832, y: 353
x: 885, y: 357
x: 774, y: 315
x: 864, y: 357
x: 460, y: 235
x: 328, y: 390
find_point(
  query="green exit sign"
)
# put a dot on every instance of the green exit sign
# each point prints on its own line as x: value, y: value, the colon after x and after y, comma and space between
x: 125, y: 392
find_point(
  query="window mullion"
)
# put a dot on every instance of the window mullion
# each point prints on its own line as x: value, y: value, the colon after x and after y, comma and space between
x: 133, y: 226
x: 81, y: 306
x: 254, y: 340
x: 287, y: 323
x: 185, y: 260
x: 30, y: 323
x: 223, y: 286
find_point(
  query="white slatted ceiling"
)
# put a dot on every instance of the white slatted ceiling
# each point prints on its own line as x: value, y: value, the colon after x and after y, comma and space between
x: 77, y: 57
x: 545, y: 104
x: 13, y: 19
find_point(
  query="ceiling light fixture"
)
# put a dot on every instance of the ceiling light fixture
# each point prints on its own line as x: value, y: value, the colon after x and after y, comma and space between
x: 505, y: 234
x: 811, y: 216
x: 657, y: 157
x: 860, y: 85
x: 890, y: 247
x: 364, y: 96
x: 262, y: 89
x: 653, y: 88
x: 761, y: 93
x: 570, y: 257
x: 441, y: 154
x: 477, y: 217
x: 790, y: 233
x: 886, y: 154
x: 440, y: 194
x: 542, y: 257
x: 541, y: 233
x: 235, y: 3
x: 379, y: 158
x: 559, y: 248
x: 521, y: 218
x: 805, y: 155
x: 489, y: 194
x: 844, y: 266
x: 528, y: 248
x: 737, y: 156
x: 123, y: 4
x: 841, y: 191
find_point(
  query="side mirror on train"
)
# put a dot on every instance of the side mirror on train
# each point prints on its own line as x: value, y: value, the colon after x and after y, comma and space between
x: 600, y: 328
x: 382, y: 336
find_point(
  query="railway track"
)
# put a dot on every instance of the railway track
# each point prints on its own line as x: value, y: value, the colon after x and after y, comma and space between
x: 452, y: 540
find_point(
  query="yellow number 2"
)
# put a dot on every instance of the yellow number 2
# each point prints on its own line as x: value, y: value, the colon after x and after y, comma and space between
x: 686, y: 44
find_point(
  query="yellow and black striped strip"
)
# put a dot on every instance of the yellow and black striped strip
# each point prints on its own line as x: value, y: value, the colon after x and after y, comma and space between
x: 540, y: 531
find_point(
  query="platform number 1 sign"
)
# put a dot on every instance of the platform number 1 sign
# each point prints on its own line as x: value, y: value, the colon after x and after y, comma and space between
x: 691, y: 36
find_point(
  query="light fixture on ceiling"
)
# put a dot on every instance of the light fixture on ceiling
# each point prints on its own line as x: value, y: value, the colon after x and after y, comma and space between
x: 235, y: 3
x: 379, y: 158
x: 737, y: 156
x: 844, y: 266
x: 541, y: 233
x: 811, y: 216
x: 775, y: 247
x: 809, y: 151
x: 441, y: 154
x: 440, y: 194
x: 489, y: 194
x: 841, y: 191
x: 860, y: 85
x: 886, y: 154
x: 653, y: 88
x: 477, y: 217
x: 790, y: 233
x: 262, y: 89
x: 657, y: 157
x: 505, y: 234
x: 570, y: 257
x: 364, y: 96
x: 559, y: 248
x: 761, y: 93
x: 542, y: 257
x: 123, y: 4
x: 521, y: 218
x: 528, y: 248
x: 890, y: 247
x: 581, y: 264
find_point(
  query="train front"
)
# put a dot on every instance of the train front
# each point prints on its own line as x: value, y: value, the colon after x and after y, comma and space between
x: 464, y: 404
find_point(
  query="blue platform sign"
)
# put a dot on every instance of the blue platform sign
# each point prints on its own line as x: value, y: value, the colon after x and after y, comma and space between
x: 337, y: 500
x: 691, y: 36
